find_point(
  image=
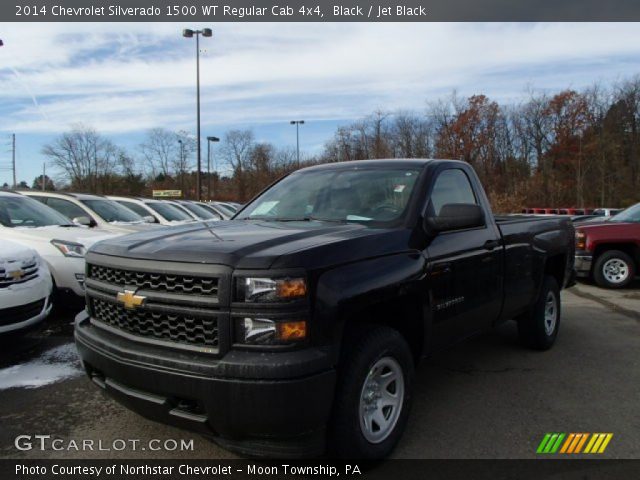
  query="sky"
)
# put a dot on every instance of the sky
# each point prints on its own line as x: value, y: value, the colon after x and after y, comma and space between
x: 123, y: 79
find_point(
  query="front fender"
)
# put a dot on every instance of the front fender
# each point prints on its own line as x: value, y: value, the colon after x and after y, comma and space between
x: 345, y: 291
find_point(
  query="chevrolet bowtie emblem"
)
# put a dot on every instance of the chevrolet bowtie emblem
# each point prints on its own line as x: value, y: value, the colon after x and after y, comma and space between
x: 129, y: 299
x: 16, y: 274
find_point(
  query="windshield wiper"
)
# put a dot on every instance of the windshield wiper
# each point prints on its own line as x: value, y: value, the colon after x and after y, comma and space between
x: 294, y: 219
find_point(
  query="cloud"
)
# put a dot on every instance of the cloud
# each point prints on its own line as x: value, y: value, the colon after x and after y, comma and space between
x: 123, y: 78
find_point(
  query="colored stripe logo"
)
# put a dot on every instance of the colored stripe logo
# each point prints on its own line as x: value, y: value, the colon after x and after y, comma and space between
x: 573, y: 443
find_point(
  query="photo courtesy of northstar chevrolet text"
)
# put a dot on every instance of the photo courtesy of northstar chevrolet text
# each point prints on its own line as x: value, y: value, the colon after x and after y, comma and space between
x: 261, y: 239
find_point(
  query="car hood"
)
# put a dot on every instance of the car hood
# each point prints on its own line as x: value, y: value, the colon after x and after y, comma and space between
x: 85, y: 236
x: 13, y: 252
x: 127, y: 227
x: 606, y: 224
x: 259, y: 244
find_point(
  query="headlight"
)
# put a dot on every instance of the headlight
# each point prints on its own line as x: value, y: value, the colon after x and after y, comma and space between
x: 70, y: 249
x: 581, y: 240
x: 263, y: 331
x: 267, y: 290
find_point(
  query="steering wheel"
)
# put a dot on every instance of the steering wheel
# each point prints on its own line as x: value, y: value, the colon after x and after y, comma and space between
x: 385, y: 207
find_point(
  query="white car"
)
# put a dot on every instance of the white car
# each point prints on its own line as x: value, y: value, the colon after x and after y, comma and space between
x: 163, y: 213
x: 218, y: 209
x: 197, y: 210
x: 60, y: 243
x: 94, y: 211
x: 25, y: 287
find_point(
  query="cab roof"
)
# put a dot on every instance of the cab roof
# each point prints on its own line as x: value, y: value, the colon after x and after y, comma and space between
x: 380, y: 163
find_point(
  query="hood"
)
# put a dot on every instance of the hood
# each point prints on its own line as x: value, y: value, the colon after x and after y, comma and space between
x: 13, y: 252
x: 606, y: 224
x: 259, y: 244
x: 85, y: 236
x: 128, y: 227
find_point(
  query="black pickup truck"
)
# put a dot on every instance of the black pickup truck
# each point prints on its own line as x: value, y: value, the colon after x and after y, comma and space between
x: 294, y: 328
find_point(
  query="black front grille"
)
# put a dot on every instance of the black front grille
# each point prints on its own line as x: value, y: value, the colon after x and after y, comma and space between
x: 158, y: 282
x: 22, y: 313
x: 188, y: 329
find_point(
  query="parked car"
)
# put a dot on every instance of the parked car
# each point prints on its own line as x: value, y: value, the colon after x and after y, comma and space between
x: 217, y: 210
x: 196, y: 210
x: 230, y: 211
x: 609, y: 251
x: 59, y: 242
x: 232, y: 207
x: 94, y: 211
x: 606, y: 212
x: 303, y: 318
x: 162, y: 213
x: 25, y: 287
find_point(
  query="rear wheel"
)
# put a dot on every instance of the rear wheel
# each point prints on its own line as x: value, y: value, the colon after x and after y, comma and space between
x: 539, y: 328
x: 614, y: 269
x: 373, y: 395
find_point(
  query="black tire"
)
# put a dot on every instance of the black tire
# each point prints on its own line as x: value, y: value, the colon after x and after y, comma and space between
x: 533, y: 328
x: 603, y: 262
x: 366, y: 348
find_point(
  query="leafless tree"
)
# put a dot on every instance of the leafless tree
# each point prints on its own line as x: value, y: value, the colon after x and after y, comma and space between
x: 83, y: 156
x: 237, y: 148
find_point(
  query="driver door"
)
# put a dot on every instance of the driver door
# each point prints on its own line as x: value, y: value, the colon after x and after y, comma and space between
x: 463, y: 267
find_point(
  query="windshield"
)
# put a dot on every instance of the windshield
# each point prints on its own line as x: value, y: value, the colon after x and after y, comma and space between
x: 226, y: 209
x: 372, y: 195
x: 111, y: 211
x: 140, y: 210
x: 169, y: 212
x: 631, y: 214
x: 201, y: 212
x: 26, y: 212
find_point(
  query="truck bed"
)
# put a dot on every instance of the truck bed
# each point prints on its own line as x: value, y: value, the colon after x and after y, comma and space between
x: 520, y: 218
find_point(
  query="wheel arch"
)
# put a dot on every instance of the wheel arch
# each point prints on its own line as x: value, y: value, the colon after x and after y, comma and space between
x: 631, y: 249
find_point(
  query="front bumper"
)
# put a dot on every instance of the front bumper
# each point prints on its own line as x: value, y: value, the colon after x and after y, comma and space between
x: 68, y: 273
x: 24, y: 305
x: 255, y: 403
x: 582, y: 265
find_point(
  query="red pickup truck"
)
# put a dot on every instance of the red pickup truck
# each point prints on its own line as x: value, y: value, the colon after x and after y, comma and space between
x: 609, y: 251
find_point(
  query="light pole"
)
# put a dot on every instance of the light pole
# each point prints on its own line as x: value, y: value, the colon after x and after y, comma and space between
x: 182, y: 162
x: 188, y: 33
x: 297, y: 123
x: 209, y: 140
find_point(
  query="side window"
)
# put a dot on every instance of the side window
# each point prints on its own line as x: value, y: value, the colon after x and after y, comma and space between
x: 452, y: 186
x: 66, y: 208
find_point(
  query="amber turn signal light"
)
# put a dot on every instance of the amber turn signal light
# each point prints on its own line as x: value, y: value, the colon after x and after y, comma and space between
x: 288, y: 331
x: 291, y: 288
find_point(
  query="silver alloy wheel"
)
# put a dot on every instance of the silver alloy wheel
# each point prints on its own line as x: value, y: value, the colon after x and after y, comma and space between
x: 381, y: 400
x: 550, y: 313
x: 615, y: 270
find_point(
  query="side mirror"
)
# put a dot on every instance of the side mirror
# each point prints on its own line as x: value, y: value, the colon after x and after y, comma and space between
x: 455, y: 216
x: 149, y: 219
x: 83, y: 220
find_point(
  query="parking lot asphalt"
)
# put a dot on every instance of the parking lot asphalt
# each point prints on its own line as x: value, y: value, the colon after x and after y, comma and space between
x: 487, y: 398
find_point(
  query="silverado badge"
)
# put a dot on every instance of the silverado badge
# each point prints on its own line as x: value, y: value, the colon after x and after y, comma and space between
x: 129, y: 299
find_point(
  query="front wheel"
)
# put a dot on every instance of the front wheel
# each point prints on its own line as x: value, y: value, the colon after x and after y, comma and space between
x: 373, y: 395
x: 614, y: 269
x: 539, y: 328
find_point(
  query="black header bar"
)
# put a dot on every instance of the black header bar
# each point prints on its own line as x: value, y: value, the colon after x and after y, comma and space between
x: 320, y: 11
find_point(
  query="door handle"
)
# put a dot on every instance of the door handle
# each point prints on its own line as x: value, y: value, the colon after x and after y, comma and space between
x: 491, y: 244
x: 440, y: 269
